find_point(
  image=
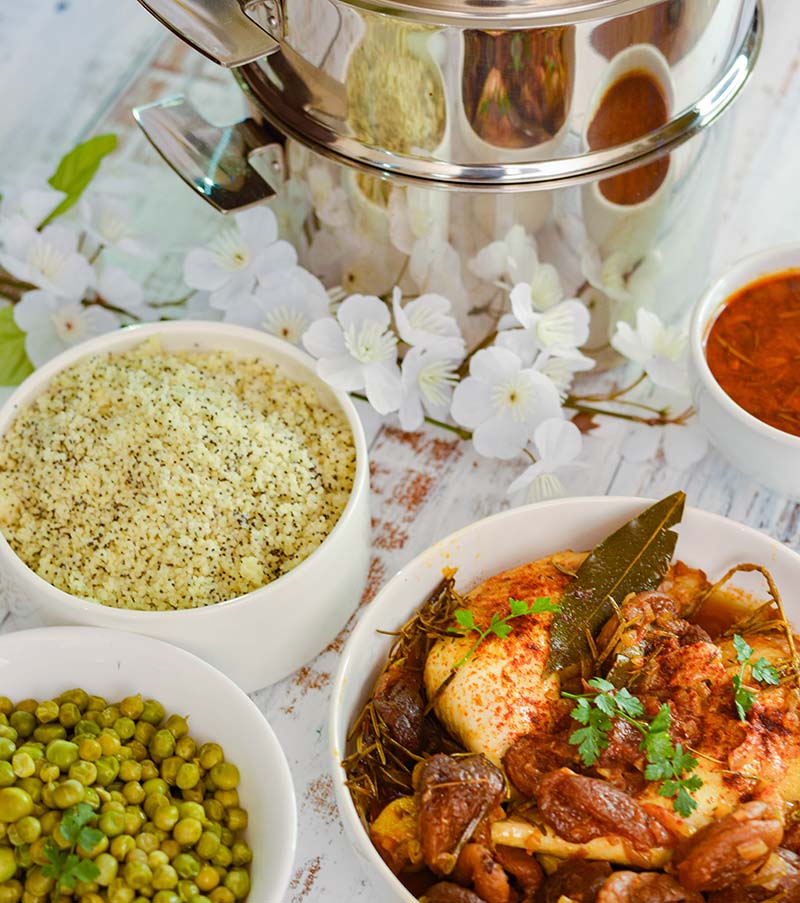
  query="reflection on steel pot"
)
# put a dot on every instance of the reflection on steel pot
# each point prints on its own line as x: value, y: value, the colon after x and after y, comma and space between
x: 439, y: 144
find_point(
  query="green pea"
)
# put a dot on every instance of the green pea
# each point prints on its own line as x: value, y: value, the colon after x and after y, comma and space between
x: 37, y: 883
x: 192, y: 810
x: 91, y: 797
x: 107, y: 867
x: 152, y: 712
x: 241, y: 854
x: 23, y: 722
x: 62, y: 753
x: 187, y: 890
x: 7, y: 748
x: 77, y: 697
x: 186, y: 748
x: 170, y: 767
x: 107, y: 770
x: 130, y: 770
x: 165, y: 878
x: 8, y: 732
x: 144, y: 732
x: 23, y: 764
x: 47, y: 732
x: 96, y: 704
x: 147, y: 842
x: 70, y: 715
x: 8, y: 865
x: 10, y: 892
x: 125, y: 727
x: 133, y: 793
x: 85, y: 772
x: 156, y: 785
x: 108, y: 716
x: 166, y: 817
x: 49, y: 773
x: 187, y: 831
x: 238, y: 883
x: 70, y: 793
x: 162, y: 745
x: 188, y: 776
x: 225, y: 775
x: 134, y: 819
x: 14, y: 804
x: 207, y: 845
x: 121, y: 846
x: 186, y: 865
x: 47, y: 711
x: 132, y: 707
x: 6, y: 706
x: 112, y: 824
x: 214, y: 809
x: 210, y: 755
x: 137, y: 875
x: 166, y: 896
x: 86, y: 728
x: 119, y: 892
x: 223, y: 857
x: 29, y: 829
x: 236, y: 819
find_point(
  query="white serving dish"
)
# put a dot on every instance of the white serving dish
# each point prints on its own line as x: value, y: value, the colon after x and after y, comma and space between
x: 40, y: 664
x: 264, y: 635
x: 495, y: 544
x: 756, y: 448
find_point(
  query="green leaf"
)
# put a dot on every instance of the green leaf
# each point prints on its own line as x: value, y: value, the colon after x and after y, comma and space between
x: 598, y: 683
x: 657, y: 771
x: 662, y: 720
x: 89, y: 838
x: 629, y: 704
x: 14, y: 362
x: 77, y: 169
x: 86, y: 870
x: 743, y: 649
x: 743, y: 697
x: 502, y: 629
x: 465, y: 619
x: 544, y: 604
x: 518, y: 607
x: 606, y: 704
x: 684, y: 803
x: 765, y: 673
x: 582, y: 711
x: 632, y: 560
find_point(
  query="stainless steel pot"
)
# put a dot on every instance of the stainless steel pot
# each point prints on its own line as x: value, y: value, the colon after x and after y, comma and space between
x: 505, y: 104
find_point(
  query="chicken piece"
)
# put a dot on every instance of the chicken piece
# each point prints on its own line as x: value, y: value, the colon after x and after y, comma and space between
x: 395, y: 834
x: 726, y: 851
x: 502, y: 691
x: 445, y: 892
x: 533, y: 756
x: 454, y: 796
x: 645, y: 887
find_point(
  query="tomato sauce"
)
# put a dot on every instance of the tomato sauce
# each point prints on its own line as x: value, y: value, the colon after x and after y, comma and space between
x: 753, y: 349
x: 633, y: 106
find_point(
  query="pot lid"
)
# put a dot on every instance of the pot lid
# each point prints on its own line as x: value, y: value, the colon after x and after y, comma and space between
x: 505, y: 13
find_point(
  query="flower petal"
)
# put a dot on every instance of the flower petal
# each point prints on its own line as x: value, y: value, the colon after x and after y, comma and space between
x: 324, y: 338
x: 358, y: 308
x: 491, y: 365
x: 522, y: 305
x: 472, y: 402
x: 382, y: 384
x: 202, y: 270
x: 33, y: 308
x: 277, y: 257
x: 500, y: 437
x: 558, y: 442
x: 341, y: 371
x: 120, y: 289
x: 257, y: 226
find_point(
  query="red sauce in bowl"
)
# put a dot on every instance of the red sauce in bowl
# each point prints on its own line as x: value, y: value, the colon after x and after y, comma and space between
x: 753, y: 349
x: 631, y: 107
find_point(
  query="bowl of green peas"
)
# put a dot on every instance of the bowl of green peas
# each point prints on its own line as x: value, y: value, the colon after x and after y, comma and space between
x: 132, y: 771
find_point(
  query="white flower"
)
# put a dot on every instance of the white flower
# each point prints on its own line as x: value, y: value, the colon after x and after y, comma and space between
x: 123, y: 291
x: 659, y: 351
x: 330, y: 200
x: 358, y: 350
x: 106, y: 219
x: 502, y: 402
x: 48, y: 259
x: 31, y: 207
x: 513, y: 258
x: 415, y: 214
x: 360, y: 263
x: 558, y: 330
x: 51, y: 324
x: 425, y: 320
x: 285, y: 305
x: 561, y: 369
x: 683, y: 445
x: 243, y: 251
x: 557, y: 443
x: 428, y: 377
x: 627, y: 279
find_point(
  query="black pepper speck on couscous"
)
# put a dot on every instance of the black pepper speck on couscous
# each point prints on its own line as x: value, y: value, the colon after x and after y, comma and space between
x: 156, y: 480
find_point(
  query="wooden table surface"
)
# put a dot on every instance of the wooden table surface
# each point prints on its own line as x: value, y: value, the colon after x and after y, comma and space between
x: 69, y: 68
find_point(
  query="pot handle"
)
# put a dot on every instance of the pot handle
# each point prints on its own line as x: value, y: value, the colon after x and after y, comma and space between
x: 216, y: 162
x: 229, y: 32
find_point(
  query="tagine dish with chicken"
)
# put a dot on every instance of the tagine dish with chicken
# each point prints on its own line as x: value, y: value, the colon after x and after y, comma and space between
x: 610, y: 726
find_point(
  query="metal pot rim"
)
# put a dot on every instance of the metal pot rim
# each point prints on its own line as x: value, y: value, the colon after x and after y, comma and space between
x: 543, y: 174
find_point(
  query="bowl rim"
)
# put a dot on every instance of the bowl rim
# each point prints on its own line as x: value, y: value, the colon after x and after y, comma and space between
x: 744, y: 272
x: 35, y: 383
x: 282, y: 795
x: 353, y: 827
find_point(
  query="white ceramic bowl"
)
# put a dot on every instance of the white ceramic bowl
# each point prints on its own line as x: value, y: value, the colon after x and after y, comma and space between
x: 40, y: 664
x: 257, y: 638
x: 756, y: 448
x: 496, y: 544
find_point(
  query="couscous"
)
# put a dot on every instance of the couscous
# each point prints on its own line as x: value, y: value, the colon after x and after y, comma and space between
x: 159, y: 480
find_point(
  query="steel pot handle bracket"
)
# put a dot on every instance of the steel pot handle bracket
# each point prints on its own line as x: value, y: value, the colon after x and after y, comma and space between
x: 232, y: 167
x: 229, y: 32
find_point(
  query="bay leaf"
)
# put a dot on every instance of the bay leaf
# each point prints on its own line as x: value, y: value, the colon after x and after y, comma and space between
x: 634, y: 559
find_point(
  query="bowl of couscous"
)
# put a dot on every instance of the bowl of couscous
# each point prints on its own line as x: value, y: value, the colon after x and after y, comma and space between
x: 192, y: 481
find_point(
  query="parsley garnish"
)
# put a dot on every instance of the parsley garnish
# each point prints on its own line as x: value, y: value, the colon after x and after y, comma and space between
x: 66, y: 866
x: 666, y: 762
x: 498, y: 626
x: 761, y: 670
